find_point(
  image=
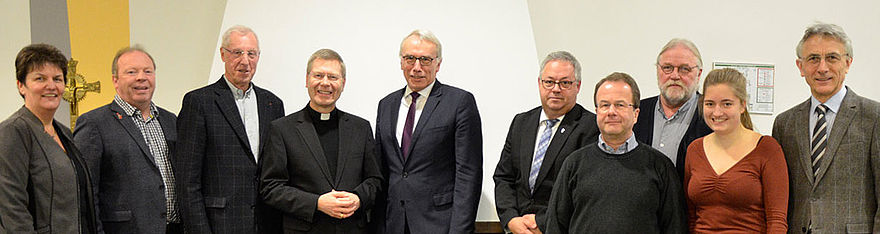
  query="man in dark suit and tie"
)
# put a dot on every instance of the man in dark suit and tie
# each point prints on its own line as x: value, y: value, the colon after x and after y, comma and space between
x: 127, y: 146
x: 430, y: 141
x: 320, y: 165
x: 670, y: 121
x: 831, y: 142
x: 222, y: 128
x: 538, y: 142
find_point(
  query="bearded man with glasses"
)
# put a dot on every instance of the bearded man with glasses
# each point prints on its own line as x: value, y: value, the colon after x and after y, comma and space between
x: 671, y: 121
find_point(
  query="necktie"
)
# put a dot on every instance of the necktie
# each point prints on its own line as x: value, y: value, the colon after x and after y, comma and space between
x: 819, y: 139
x: 408, y: 126
x: 539, y: 154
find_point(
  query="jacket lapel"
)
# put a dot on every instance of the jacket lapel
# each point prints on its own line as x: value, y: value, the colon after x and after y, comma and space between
x: 842, y: 121
x: 425, y: 117
x: 132, y: 130
x: 345, y: 143
x: 391, y: 123
x: 229, y: 109
x: 568, y: 125
x: 801, y: 124
x: 528, y: 143
x: 264, y: 108
x: 310, y: 136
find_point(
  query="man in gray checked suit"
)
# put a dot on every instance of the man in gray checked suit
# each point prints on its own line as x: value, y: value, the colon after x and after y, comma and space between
x: 831, y: 142
x: 127, y: 146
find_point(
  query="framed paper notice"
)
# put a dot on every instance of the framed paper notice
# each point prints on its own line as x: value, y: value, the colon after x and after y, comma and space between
x: 759, y: 84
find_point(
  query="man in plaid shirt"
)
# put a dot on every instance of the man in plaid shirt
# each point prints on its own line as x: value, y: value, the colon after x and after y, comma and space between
x: 127, y: 145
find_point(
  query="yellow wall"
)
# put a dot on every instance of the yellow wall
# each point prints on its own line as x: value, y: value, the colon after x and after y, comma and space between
x: 97, y: 30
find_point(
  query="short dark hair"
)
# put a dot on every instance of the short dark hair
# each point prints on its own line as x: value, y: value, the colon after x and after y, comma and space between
x: 35, y: 56
x: 115, y: 66
x: 326, y: 54
x: 626, y: 78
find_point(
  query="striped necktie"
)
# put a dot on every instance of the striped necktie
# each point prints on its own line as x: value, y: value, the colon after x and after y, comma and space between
x: 820, y: 139
x: 539, y: 154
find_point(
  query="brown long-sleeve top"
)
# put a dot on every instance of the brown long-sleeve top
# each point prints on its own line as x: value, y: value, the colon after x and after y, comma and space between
x: 750, y: 197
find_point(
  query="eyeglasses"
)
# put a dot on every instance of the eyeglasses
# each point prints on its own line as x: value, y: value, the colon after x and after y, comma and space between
x: 683, y: 69
x: 424, y: 61
x: 252, y: 54
x: 606, y: 106
x: 815, y: 59
x: 563, y: 84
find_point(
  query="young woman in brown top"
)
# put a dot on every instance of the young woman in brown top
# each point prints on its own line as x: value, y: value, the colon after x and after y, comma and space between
x: 735, y: 179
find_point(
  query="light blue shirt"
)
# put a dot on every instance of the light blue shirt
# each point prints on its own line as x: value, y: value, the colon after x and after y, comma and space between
x: 627, y: 146
x: 833, y: 105
x: 668, y: 132
x: 246, y: 101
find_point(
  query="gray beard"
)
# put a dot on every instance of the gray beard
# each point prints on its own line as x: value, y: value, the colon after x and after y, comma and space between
x: 675, y: 101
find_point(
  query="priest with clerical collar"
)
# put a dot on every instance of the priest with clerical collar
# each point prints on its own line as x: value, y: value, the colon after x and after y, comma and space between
x: 319, y: 165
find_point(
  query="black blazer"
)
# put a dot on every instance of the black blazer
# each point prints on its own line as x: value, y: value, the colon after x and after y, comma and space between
x: 513, y: 197
x: 130, y: 193
x: 295, y: 173
x: 215, y: 168
x: 437, y: 189
x: 644, y: 129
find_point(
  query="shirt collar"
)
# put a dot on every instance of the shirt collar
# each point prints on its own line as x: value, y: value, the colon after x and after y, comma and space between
x: 627, y: 146
x: 422, y: 93
x: 238, y: 93
x: 833, y: 103
x: 684, y: 107
x: 131, y: 110
x: 544, y: 117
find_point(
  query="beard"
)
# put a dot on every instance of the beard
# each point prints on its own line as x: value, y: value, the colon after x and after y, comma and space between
x: 676, y: 96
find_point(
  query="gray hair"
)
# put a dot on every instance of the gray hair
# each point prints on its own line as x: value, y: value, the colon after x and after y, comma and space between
x: 828, y: 30
x: 682, y: 42
x: 126, y: 50
x: 241, y: 29
x: 562, y: 56
x: 424, y: 35
x: 326, y: 54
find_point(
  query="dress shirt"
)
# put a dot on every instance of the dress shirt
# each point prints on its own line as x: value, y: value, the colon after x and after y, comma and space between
x: 542, y: 126
x: 155, y: 139
x: 669, y: 131
x: 246, y: 101
x: 404, y: 108
x: 629, y: 145
x: 833, y: 105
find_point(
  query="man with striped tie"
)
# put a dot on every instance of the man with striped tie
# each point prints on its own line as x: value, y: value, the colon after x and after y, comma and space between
x: 538, y: 142
x: 831, y: 142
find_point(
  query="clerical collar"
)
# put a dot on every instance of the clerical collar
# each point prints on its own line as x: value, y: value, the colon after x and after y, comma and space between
x: 318, y: 116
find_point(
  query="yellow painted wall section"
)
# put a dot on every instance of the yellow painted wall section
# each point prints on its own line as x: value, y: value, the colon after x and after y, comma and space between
x: 98, y: 29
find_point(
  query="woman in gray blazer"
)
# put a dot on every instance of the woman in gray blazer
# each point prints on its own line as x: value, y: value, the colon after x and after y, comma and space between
x: 44, y: 184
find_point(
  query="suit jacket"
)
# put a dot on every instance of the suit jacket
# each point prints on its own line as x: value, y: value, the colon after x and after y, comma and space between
x: 437, y: 188
x: 843, y: 197
x: 644, y: 129
x: 513, y: 197
x: 216, y: 172
x: 130, y: 193
x: 39, y: 192
x: 295, y: 173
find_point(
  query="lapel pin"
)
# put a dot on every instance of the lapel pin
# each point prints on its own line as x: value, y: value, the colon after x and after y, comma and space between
x: 562, y: 130
x: 118, y: 116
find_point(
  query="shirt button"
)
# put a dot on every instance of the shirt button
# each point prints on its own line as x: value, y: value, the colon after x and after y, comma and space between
x: 662, y: 145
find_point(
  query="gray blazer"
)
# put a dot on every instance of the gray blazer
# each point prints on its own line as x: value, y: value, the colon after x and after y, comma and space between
x: 129, y: 188
x: 38, y: 185
x: 843, y: 198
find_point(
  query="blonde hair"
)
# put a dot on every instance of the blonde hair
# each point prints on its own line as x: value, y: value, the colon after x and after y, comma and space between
x: 737, y: 83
